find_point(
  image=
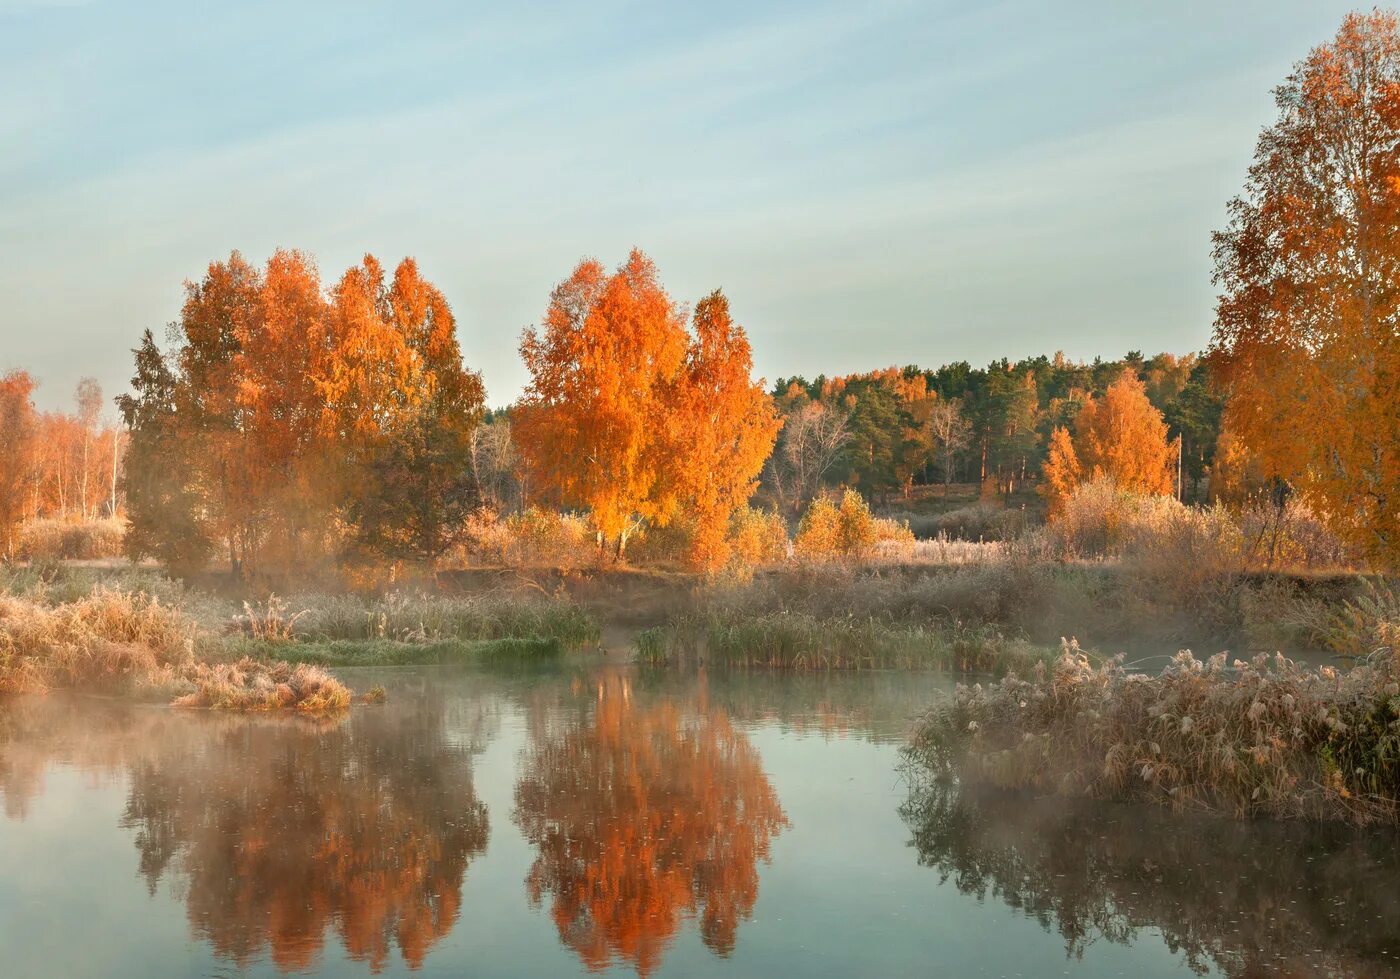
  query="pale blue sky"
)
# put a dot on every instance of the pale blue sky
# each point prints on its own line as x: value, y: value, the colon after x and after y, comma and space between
x: 871, y: 183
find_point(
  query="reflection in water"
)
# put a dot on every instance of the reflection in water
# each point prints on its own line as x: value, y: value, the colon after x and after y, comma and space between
x: 643, y: 814
x: 276, y: 831
x: 1250, y: 899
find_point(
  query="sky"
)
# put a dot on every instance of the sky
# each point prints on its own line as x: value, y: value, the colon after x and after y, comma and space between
x: 872, y: 184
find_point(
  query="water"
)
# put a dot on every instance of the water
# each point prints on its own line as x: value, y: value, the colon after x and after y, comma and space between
x: 600, y: 820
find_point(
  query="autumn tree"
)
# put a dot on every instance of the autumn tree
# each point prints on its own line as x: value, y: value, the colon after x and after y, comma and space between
x: 625, y: 411
x: 1307, y: 332
x: 1061, y: 473
x: 17, y: 439
x: 1120, y: 437
x: 282, y: 418
x: 404, y: 409
x: 724, y: 428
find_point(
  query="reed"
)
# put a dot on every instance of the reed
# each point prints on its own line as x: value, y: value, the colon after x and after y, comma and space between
x: 421, y: 617
x: 800, y: 641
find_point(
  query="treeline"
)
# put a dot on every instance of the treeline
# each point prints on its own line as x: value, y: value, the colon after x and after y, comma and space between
x: 888, y: 431
x: 56, y: 465
x: 289, y: 424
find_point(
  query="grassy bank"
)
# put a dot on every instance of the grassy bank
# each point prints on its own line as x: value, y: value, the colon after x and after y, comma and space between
x: 1259, y: 738
x: 132, y: 631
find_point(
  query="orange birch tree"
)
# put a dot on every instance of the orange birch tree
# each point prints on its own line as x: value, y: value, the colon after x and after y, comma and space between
x: 1307, y: 332
x: 593, y: 421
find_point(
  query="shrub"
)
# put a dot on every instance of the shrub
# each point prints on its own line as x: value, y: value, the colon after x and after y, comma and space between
x: 533, y: 537
x: 758, y: 537
x: 980, y: 521
x: 63, y: 540
x: 1266, y: 738
x: 847, y: 531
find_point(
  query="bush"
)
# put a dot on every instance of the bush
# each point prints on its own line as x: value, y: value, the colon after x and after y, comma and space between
x: 848, y: 531
x: 531, y: 538
x: 1266, y: 738
x: 63, y: 540
x: 758, y: 537
x: 981, y: 521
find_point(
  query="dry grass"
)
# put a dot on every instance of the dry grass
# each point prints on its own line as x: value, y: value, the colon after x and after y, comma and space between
x: 255, y: 685
x: 134, y: 643
x: 1260, y: 738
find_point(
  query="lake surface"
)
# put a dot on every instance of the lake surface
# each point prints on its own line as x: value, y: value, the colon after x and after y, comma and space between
x: 601, y: 820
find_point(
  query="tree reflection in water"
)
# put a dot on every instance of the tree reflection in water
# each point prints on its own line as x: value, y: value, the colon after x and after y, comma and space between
x: 644, y: 815
x: 1249, y: 899
x: 278, y: 831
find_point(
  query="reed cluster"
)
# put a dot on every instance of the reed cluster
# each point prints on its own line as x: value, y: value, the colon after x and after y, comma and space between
x: 1265, y: 737
x: 801, y: 641
x: 419, y: 617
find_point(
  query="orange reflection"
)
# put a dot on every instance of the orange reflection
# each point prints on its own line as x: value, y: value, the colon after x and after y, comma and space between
x: 644, y: 815
x: 280, y: 834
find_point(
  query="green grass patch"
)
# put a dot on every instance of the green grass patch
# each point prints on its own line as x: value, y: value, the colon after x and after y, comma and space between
x: 390, y: 652
x: 800, y: 641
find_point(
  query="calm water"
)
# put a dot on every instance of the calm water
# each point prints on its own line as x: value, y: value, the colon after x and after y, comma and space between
x: 600, y: 820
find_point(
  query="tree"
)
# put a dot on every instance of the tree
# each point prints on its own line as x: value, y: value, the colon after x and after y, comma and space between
x: 1062, y: 472
x: 1122, y: 437
x: 89, y: 401
x: 282, y: 423
x: 404, y: 409
x: 950, y: 433
x: 164, y: 503
x: 632, y: 418
x: 725, y: 426
x: 1119, y: 437
x: 812, y: 439
x: 588, y: 423
x: 1307, y: 332
x: 494, y: 464
x: 17, y: 434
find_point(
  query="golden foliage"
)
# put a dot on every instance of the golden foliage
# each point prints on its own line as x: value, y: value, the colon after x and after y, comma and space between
x: 630, y: 418
x: 1119, y: 437
x: 1306, y: 333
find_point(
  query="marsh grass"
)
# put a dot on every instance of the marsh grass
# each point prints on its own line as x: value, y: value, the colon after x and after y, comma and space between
x: 1260, y: 738
x: 389, y: 652
x: 800, y: 641
x: 420, y: 617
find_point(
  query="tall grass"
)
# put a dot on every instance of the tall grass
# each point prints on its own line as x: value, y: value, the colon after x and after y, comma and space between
x: 421, y: 617
x: 800, y: 641
x: 1260, y: 738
